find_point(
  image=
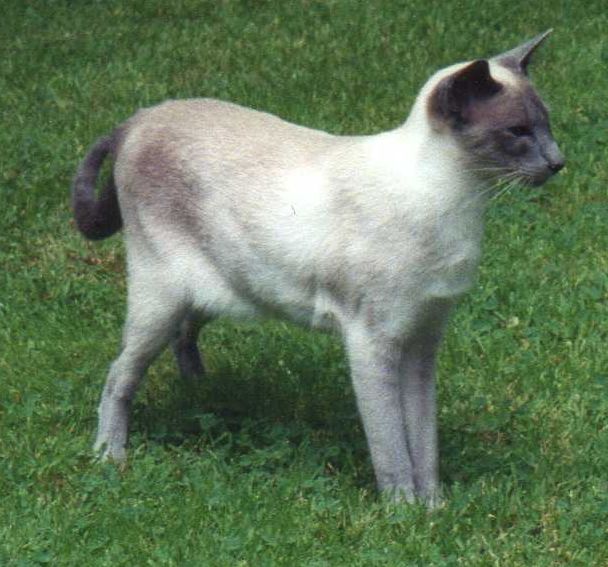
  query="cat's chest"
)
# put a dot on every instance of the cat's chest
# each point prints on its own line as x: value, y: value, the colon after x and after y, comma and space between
x: 455, y: 251
x: 434, y: 255
x: 419, y: 221
x: 453, y: 271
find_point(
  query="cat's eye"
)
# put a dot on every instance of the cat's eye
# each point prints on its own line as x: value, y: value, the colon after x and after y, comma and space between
x: 520, y: 131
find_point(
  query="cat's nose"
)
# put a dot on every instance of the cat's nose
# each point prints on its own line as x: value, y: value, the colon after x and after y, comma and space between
x: 555, y: 158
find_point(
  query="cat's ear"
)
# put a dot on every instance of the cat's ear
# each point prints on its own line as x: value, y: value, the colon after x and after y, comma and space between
x: 520, y: 56
x: 454, y: 96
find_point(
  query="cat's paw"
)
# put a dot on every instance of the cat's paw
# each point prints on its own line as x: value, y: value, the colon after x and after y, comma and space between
x: 399, y: 494
x: 106, y: 451
x: 433, y: 501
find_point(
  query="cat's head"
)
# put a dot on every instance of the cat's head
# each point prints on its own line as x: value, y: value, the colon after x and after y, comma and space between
x: 492, y: 111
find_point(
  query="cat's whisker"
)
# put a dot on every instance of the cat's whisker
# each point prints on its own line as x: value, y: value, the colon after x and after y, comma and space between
x: 501, y: 185
x: 488, y: 168
x: 514, y: 182
x: 497, y: 185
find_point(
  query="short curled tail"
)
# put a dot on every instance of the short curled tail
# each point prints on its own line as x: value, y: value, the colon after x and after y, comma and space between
x: 96, y: 218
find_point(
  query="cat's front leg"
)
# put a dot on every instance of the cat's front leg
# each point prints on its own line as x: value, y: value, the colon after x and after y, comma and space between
x: 419, y: 409
x: 375, y: 369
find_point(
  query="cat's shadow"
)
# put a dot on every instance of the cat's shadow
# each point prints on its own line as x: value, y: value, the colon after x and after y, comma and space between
x: 469, y: 456
x: 228, y: 407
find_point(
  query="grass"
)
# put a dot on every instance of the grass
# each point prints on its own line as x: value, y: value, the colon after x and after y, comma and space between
x: 265, y: 462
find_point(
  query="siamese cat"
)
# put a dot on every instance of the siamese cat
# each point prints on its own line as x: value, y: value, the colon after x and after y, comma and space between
x: 227, y: 210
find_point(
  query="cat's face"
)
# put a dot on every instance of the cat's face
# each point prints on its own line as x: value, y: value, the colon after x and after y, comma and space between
x: 496, y: 116
x: 510, y: 131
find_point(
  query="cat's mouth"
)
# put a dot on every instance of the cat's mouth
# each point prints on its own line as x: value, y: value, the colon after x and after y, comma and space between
x: 538, y: 178
x: 534, y: 180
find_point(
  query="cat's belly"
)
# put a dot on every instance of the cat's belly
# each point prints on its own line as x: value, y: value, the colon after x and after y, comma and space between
x: 269, y: 294
x: 397, y: 293
x: 309, y: 312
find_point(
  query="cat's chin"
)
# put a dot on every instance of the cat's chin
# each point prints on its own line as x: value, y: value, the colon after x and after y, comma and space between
x: 533, y: 180
x: 530, y: 181
x: 540, y: 180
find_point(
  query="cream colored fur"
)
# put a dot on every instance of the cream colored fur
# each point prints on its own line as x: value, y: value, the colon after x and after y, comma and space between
x: 232, y: 211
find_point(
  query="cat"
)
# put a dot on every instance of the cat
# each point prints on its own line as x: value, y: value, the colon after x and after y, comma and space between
x: 228, y: 210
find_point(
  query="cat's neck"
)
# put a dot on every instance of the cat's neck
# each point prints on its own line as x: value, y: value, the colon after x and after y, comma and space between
x: 442, y: 168
x: 427, y: 165
x: 435, y: 152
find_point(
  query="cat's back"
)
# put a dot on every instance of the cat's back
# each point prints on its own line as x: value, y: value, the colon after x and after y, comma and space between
x: 223, y: 128
x: 195, y: 149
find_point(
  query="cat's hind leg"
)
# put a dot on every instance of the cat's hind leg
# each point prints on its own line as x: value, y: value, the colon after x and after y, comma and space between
x: 154, y: 313
x: 187, y: 354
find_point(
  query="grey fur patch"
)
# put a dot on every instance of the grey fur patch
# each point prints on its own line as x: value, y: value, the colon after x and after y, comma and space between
x: 162, y: 184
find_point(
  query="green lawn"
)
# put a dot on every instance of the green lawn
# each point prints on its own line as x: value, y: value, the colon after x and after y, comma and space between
x: 265, y: 463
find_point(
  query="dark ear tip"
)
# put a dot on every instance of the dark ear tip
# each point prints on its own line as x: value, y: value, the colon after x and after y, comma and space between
x: 481, y: 66
x: 482, y: 63
x: 537, y: 40
x: 519, y: 57
x: 473, y: 69
x: 478, y: 70
x: 456, y: 92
